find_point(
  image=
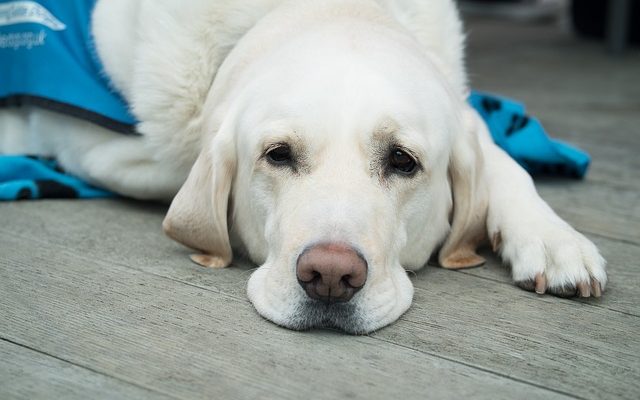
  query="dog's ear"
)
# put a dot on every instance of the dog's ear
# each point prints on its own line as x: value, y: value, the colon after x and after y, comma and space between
x: 197, y: 217
x: 470, y: 198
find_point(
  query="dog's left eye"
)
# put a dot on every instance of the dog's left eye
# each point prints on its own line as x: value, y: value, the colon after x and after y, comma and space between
x: 279, y: 155
x: 402, y: 162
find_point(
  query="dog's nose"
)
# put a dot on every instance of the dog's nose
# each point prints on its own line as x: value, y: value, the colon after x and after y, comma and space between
x: 331, y: 272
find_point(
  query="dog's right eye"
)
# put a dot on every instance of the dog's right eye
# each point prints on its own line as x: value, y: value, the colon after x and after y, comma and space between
x: 279, y: 155
x: 402, y: 162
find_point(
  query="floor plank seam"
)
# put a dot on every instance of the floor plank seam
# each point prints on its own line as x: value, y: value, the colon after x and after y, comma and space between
x: 625, y: 241
x: 610, y: 184
x: 479, y: 368
x: 44, y: 353
x: 522, y: 337
x: 588, y: 232
x: 72, y: 252
x: 244, y: 300
x: 209, y: 289
x: 542, y: 297
x: 601, y: 182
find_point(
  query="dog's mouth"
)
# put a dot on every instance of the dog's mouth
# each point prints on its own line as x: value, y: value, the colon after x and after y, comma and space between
x: 312, y: 313
x: 379, y: 303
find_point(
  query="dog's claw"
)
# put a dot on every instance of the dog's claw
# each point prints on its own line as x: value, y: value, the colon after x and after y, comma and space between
x: 538, y: 284
x: 541, y: 283
x: 596, y: 288
x: 584, y: 289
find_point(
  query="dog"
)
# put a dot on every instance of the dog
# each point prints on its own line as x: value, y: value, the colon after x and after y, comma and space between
x: 329, y: 141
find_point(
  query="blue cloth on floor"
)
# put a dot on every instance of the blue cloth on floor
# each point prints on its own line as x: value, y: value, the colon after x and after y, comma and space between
x: 29, y: 177
x: 526, y: 141
x: 522, y: 137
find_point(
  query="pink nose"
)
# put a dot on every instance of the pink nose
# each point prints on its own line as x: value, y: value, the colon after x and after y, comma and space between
x: 331, y: 272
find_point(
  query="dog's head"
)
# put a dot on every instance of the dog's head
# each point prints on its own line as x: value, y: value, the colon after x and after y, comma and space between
x: 341, y: 159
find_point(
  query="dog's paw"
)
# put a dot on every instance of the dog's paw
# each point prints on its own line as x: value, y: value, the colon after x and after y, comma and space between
x: 552, y: 257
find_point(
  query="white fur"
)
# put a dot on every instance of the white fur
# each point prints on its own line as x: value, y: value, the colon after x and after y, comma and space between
x: 335, y: 79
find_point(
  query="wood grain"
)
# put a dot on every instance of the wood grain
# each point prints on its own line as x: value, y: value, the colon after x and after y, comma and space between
x: 189, y: 342
x: 28, y: 374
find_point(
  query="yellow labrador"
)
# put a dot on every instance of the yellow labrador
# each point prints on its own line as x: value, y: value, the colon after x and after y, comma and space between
x: 335, y: 147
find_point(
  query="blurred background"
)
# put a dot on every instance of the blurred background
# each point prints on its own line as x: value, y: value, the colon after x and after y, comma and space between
x: 614, y: 21
x: 574, y: 71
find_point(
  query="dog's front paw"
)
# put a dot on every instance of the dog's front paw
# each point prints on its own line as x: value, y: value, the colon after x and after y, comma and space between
x: 549, y: 256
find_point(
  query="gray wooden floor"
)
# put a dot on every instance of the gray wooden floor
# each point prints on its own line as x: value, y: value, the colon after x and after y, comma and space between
x: 96, y: 303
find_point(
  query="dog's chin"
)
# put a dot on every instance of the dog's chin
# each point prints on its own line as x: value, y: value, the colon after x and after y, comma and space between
x: 310, y: 314
x: 365, y: 313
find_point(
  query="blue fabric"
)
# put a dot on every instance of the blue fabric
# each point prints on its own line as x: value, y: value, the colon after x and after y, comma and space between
x: 47, y: 58
x: 526, y: 141
x: 24, y: 178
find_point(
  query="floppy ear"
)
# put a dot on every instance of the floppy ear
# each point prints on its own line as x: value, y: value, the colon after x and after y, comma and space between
x: 198, y: 214
x: 470, y: 198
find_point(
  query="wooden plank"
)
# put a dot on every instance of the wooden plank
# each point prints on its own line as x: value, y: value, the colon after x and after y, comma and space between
x: 591, y: 208
x: 449, y: 311
x: 545, y: 69
x: 561, y: 344
x: 604, y: 127
x: 610, y: 138
x: 145, y: 247
x: 622, y: 293
x: 193, y: 343
x: 28, y: 374
x: 125, y: 233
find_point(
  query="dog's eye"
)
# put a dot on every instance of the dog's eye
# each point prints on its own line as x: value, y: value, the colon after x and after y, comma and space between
x: 280, y: 155
x: 402, y: 162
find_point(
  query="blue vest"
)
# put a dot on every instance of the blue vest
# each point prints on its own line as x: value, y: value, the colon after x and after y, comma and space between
x: 48, y: 59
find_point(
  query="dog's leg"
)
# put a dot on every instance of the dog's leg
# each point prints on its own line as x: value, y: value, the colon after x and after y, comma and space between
x: 127, y: 166
x: 121, y: 163
x: 545, y: 253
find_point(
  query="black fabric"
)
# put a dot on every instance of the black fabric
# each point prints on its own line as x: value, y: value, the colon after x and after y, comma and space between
x: 518, y: 123
x: 50, y: 189
x: 490, y: 105
x: 73, y: 111
x: 24, y: 194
